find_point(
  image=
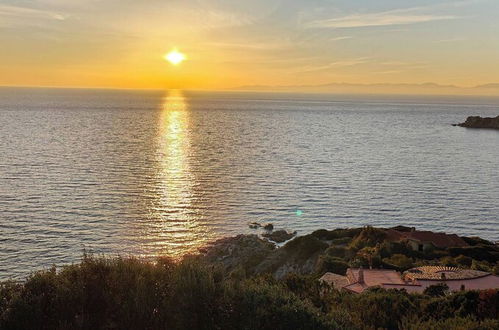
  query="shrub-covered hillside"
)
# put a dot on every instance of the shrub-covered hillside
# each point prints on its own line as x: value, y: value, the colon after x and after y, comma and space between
x: 336, y: 250
x: 229, y: 288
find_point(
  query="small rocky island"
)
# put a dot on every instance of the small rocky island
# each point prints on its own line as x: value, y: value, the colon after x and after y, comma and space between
x: 479, y: 122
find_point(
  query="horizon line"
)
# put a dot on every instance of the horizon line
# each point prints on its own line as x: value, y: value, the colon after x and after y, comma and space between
x: 308, y: 89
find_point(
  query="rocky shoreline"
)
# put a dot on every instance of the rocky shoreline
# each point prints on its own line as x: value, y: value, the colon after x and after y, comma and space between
x: 336, y: 250
x: 480, y: 122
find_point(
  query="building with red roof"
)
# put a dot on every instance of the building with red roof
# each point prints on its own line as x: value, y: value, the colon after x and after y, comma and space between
x: 424, y: 240
x: 357, y: 280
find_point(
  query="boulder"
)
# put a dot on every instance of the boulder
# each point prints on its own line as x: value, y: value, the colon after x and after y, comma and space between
x: 242, y: 250
x: 254, y: 225
x: 279, y: 236
x: 269, y: 227
x: 297, y: 256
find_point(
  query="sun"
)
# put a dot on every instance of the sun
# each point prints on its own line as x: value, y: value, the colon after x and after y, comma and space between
x: 175, y: 57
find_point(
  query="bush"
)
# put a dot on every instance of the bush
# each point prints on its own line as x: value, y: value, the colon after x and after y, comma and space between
x: 380, y: 308
x: 305, y: 246
x: 329, y: 235
x: 479, y: 252
x: 488, y: 305
x: 97, y: 293
x: 462, y: 304
x: 448, y: 261
x: 455, y: 323
x: 495, y: 270
x: 330, y: 264
x: 368, y: 237
x: 336, y: 251
x: 341, y: 241
x: 463, y: 260
x: 435, y: 254
x: 399, y: 262
x: 476, y: 241
x: 481, y: 265
x: 259, y: 305
x: 437, y: 290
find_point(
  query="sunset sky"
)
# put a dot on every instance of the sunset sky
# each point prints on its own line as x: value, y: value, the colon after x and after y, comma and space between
x: 228, y: 43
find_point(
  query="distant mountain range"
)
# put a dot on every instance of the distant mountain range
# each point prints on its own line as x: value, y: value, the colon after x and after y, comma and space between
x: 410, y: 89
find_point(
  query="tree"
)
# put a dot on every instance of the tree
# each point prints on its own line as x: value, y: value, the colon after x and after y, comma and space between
x: 368, y: 253
x: 437, y: 290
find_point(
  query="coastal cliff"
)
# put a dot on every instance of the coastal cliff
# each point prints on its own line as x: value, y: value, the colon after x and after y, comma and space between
x: 480, y: 122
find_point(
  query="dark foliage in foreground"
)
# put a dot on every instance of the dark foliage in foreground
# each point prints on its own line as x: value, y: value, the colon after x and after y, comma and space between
x: 101, y: 293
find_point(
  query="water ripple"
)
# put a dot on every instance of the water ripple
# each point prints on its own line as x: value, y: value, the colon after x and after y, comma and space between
x: 153, y: 173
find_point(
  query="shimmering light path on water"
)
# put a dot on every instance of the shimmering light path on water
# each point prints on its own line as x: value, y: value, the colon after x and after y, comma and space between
x: 161, y: 173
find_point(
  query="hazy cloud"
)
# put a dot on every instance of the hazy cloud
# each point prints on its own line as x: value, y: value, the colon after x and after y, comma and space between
x: 457, y: 39
x: 386, y: 18
x: 29, y: 13
x: 340, y: 38
x: 336, y: 64
x: 250, y: 45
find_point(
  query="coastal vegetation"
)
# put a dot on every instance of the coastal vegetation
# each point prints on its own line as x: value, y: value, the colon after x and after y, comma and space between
x: 245, y: 282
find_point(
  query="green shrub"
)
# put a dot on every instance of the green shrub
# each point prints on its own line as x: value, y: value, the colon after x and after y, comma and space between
x: 389, y: 248
x: 437, y: 290
x: 259, y: 305
x: 462, y: 304
x: 488, y: 305
x: 368, y: 237
x: 479, y: 252
x: 477, y: 241
x: 455, y: 323
x: 331, y: 264
x: 463, y: 260
x: 399, y: 262
x: 340, y: 233
x: 380, y: 308
x: 341, y: 241
x: 336, y: 251
x: 305, y: 246
x: 448, y: 261
x: 435, y: 254
x: 495, y: 270
x: 481, y: 265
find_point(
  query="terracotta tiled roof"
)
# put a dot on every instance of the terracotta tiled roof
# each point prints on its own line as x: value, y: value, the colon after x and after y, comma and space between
x: 356, y: 287
x: 414, y: 280
x: 372, y: 277
x: 435, y: 273
x: 440, y: 240
x: 335, y: 280
x: 394, y: 235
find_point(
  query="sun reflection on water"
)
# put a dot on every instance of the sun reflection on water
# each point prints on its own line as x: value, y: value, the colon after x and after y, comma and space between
x: 176, y: 229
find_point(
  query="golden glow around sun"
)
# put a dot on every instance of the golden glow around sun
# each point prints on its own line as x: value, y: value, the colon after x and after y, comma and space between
x: 175, y: 57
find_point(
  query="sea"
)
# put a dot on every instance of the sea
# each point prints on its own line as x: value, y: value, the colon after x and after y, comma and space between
x: 164, y: 172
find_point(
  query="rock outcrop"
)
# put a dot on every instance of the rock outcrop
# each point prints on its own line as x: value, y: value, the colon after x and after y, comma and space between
x: 479, y: 122
x: 333, y: 251
x: 297, y: 256
x: 254, y: 255
x: 242, y: 250
x: 279, y: 236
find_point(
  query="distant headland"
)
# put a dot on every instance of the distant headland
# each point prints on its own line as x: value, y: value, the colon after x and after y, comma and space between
x: 479, y: 122
x: 381, y: 88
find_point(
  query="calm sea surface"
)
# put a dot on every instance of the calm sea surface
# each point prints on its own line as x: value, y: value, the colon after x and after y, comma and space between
x: 161, y: 173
